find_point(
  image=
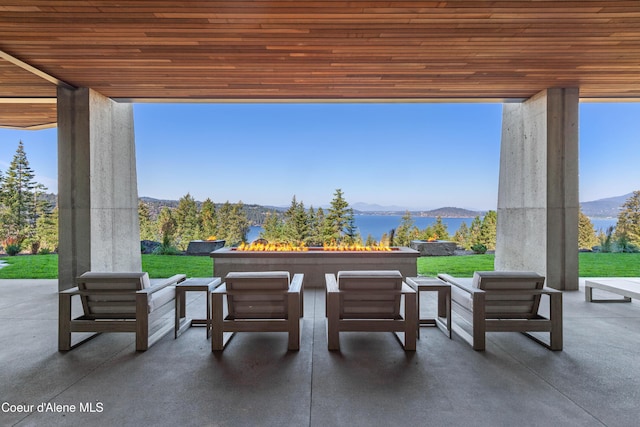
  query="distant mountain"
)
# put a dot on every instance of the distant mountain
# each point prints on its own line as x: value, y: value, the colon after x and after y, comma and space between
x: 372, y: 207
x: 449, y: 212
x: 604, y: 208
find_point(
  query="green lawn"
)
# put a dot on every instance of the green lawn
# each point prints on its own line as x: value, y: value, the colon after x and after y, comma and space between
x: 158, y: 266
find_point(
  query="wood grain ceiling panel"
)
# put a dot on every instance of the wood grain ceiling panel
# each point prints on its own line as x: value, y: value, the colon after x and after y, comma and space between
x: 341, y: 50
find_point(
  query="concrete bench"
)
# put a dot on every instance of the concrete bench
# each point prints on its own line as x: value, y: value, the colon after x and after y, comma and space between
x: 627, y: 287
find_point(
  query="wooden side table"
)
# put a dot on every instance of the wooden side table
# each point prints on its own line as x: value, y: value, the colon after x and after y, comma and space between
x: 207, y: 285
x: 432, y: 284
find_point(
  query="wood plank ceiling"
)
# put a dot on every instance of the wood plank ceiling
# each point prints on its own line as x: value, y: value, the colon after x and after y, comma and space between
x: 235, y: 50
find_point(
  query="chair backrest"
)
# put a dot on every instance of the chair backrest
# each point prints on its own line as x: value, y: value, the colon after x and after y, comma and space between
x: 504, y: 296
x: 257, y: 295
x: 370, y: 294
x: 111, y: 295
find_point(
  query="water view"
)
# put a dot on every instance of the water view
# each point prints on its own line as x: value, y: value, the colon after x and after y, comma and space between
x: 377, y: 225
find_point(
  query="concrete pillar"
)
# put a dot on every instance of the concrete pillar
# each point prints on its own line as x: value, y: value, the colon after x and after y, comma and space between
x: 97, y: 186
x: 538, y: 190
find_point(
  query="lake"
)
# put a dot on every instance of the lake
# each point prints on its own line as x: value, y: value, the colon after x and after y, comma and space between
x: 377, y: 225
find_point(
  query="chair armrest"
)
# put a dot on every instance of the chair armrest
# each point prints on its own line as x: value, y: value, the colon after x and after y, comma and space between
x: 331, y: 283
x: 407, y: 289
x: 173, y: 280
x: 452, y: 281
x: 221, y: 289
x: 217, y: 281
x: 296, y: 283
x: 550, y: 291
x: 71, y: 291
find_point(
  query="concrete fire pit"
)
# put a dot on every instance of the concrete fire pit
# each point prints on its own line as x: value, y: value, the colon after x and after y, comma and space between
x: 315, y: 262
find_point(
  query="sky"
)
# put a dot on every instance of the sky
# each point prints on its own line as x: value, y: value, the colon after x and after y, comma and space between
x: 415, y: 156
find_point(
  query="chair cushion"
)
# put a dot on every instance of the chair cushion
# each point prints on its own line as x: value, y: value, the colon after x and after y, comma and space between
x: 369, y: 279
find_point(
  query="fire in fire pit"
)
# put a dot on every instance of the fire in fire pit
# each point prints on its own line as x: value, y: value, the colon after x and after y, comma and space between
x: 287, y: 247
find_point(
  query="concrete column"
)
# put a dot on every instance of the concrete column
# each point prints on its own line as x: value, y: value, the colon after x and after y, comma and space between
x: 538, y: 190
x: 97, y: 186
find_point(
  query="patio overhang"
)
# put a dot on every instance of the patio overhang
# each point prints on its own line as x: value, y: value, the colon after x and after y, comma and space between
x: 283, y: 51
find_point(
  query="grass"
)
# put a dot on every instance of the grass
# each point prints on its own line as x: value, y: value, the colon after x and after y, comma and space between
x: 158, y: 266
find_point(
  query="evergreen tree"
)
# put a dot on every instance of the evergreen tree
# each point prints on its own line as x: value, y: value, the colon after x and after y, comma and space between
x: 404, y: 232
x: 166, y: 227
x: 19, y: 197
x: 586, y: 233
x: 488, y: 230
x: 297, y: 226
x: 462, y: 236
x: 316, y: 227
x: 273, y: 228
x: 340, y: 216
x: 187, y: 221
x: 233, y: 224
x: 440, y: 229
x: 47, y: 231
x: 474, y: 231
x: 628, y: 226
x: 208, y: 219
x: 147, y: 229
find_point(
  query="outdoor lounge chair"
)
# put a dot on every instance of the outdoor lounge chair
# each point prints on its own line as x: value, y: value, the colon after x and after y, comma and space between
x: 369, y: 301
x: 505, y: 301
x: 118, y: 302
x: 257, y: 302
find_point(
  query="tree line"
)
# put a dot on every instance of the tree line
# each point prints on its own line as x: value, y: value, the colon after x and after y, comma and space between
x: 29, y: 222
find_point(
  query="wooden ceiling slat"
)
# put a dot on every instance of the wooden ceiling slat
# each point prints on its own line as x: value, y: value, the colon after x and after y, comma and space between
x: 155, y: 49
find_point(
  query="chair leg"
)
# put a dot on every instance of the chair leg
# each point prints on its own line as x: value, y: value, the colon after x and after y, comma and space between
x: 479, y: 324
x: 410, y: 321
x: 555, y: 315
x: 64, y: 322
x: 142, y: 323
x: 333, y: 332
x: 294, y: 309
x: 217, y: 334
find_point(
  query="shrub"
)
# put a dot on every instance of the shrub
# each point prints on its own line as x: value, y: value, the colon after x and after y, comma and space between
x: 479, y: 248
x: 13, y: 249
x: 44, y: 251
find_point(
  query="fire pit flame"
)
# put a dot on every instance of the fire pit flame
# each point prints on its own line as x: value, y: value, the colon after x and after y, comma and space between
x: 287, y: 247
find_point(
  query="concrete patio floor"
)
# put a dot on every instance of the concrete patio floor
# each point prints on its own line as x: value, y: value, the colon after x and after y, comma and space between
x: 595, y: 381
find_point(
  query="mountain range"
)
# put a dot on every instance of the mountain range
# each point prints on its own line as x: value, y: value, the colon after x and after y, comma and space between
x: 602, y: 208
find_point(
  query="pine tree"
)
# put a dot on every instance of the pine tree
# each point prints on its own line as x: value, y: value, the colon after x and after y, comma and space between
x: 167, y: 229
x: 147, y: 229
x: 474, y: 231
x: 488, y: 229
x: 461, y: 237
x: 272, y: 228
x: 628, y: 226
x: 47, y: 231
x: 208, y: 219
x: 340, y: 216
x: 19, y: 198
x: 404, y: 231
x: 187, y: 221
x: 297, y: 225
x: 316, y: 227
x: 440, y: 229
x: 586, y: 233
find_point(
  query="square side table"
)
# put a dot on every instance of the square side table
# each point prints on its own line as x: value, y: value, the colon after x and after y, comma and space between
x: 432, y: 284
x: 182, y: 322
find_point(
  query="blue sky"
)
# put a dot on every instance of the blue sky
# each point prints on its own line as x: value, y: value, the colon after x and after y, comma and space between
x: 418, y: 156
